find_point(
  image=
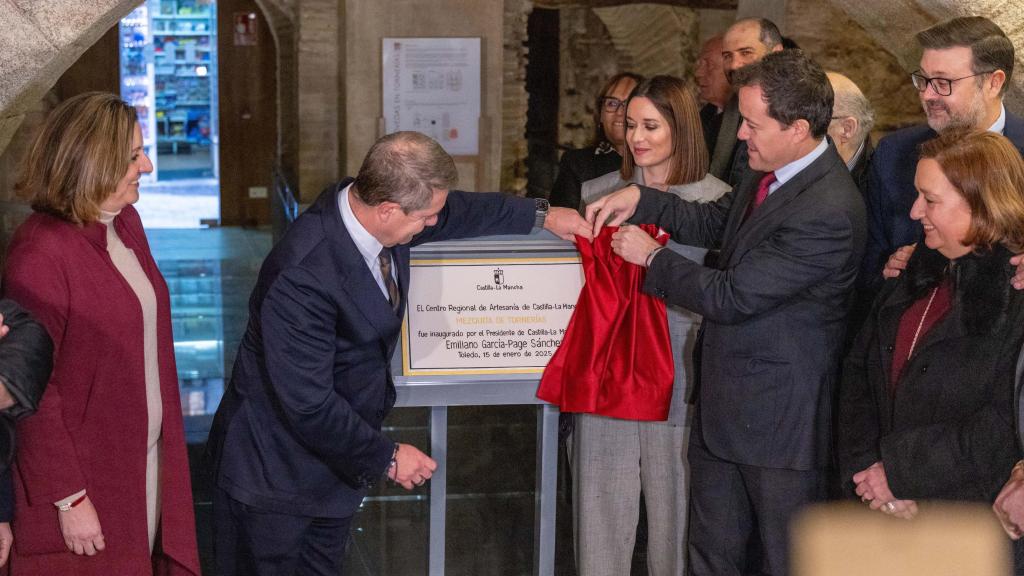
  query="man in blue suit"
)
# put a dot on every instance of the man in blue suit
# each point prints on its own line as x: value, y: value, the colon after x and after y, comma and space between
x: 297, y: 439
x: 966, y: 67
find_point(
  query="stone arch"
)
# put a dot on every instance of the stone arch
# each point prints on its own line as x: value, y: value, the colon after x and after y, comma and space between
x: 40, y: 41
x: 658, y: 39
x: 893, y: 23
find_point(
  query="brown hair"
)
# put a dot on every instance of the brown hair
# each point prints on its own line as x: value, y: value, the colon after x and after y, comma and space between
x: 991, y: 50
x: 78, y: 157
x: 599, y: 135
x: 677, y: 105
x: 405, y: 168
x: 988, y: 172
x: 794, y: 86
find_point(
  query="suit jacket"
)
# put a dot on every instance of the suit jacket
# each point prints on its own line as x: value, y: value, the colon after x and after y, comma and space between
x: 861, y: 169
x: 729, y: 155
x: 682, y: 323
x: 575, y: 168
x: 711, y: 123
x: 298, y: 430
x: 891, y: 193
x: 948, y: 433
x: 774, y: 311
x: 865, y: 293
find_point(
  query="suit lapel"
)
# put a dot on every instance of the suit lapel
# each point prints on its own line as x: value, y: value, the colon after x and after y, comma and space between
x: 1014, y: 130
x: 400, y: 254
x: 752, y: 231
x: 744, y: 195
x: 721, y: 156
x: 354, y: 276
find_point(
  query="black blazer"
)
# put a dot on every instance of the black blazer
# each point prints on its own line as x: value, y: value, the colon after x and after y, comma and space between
x: 575, y: 168
x: 861, y: 169
x: 298, y: 430
x: 949, y: 431
x: 774, y: 309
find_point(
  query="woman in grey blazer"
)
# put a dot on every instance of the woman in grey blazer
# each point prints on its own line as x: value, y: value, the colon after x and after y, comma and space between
x: 614, y: 459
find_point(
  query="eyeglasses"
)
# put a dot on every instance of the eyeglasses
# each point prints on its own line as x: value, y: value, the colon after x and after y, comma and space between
x: 941, y: 86
x: 612, y: 104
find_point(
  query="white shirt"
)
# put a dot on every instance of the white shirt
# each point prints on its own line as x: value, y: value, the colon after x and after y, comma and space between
x: 1000, y: 123
x: 787, y: 172
x: 856, y: 156
x: 369, y: 247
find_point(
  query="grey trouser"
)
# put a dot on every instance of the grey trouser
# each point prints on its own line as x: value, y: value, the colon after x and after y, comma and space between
x: 611, y: 461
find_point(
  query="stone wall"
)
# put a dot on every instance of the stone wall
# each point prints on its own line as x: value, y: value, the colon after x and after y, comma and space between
x: 280, y: 15
x: 893, y: 23
x: 40, y: 40
x: 588, y: 57
x: 839, y: 43
x: 320, y: 57
x: 514, y: 98
x: 597, y: 43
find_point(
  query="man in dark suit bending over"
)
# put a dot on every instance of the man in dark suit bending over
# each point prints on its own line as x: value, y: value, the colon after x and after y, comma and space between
x: 297, y: 439
x: 791, y: 235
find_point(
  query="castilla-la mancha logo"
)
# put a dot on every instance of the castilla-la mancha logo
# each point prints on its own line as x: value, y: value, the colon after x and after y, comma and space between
x: 499, y: 276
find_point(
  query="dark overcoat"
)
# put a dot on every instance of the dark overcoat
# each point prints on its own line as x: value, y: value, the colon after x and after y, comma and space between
x: 948, y: 430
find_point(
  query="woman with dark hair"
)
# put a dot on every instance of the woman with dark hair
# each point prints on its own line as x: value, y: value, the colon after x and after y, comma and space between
x: 927, y: 395
x: 101, y: 475
x: 605, y: 152
x: 613, y: 459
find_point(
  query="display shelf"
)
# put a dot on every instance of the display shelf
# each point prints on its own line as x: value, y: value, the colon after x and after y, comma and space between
x: 169, y: 67
x: 158, y: 34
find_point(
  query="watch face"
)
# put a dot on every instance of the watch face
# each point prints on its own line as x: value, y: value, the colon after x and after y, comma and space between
x: 542, y: 204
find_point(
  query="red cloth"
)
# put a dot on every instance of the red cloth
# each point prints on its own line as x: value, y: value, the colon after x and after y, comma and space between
x: 90, y: 430
x: 616, y: 357
x: 908, y: 327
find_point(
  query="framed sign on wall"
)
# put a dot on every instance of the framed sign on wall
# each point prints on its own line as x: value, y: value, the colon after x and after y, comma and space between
x: 432, y: 85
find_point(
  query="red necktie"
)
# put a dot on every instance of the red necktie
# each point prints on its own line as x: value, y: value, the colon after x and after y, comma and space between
x: 762, y: 189
x: 762, y: 193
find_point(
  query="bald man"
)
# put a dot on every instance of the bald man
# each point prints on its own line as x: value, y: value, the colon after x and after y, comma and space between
x: 850, y: 129
x: 713, y: 88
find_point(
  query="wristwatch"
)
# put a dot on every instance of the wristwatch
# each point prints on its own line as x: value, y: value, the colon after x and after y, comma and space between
x: 542, y: 207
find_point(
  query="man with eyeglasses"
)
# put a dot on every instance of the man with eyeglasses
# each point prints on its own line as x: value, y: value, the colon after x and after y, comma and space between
x: 965, y: 70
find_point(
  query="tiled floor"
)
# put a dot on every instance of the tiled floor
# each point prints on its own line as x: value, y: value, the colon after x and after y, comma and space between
x: 492, y: 456
x: 179, y: 203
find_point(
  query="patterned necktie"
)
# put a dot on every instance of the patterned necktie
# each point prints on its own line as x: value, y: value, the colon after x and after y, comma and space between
x: 762, y: 193
x: 384, y: 260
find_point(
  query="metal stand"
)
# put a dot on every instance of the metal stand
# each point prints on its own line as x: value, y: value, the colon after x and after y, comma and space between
x: 462, y: 391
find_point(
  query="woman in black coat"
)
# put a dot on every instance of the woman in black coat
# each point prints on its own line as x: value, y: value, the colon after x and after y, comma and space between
x: 926, y: 400
x: 605, y: 153
x: 26, y: 357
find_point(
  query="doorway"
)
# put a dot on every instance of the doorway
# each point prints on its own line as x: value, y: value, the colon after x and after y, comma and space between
x: 168, y: 61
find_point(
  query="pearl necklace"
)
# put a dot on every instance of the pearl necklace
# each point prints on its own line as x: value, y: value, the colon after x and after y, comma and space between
x: 920, y: 325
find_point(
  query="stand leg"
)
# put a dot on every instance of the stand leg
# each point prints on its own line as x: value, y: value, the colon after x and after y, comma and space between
x: 547, y: 476
x: 439, y: 486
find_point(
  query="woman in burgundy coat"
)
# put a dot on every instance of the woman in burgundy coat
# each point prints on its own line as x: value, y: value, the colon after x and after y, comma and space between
x: 101, y: 475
